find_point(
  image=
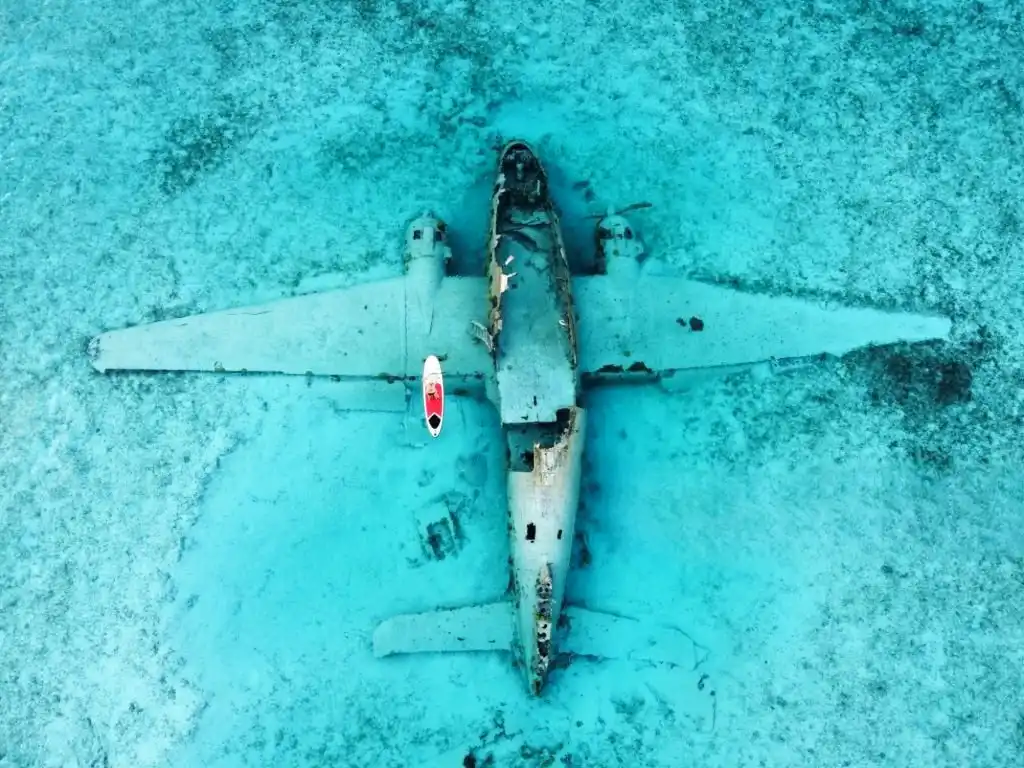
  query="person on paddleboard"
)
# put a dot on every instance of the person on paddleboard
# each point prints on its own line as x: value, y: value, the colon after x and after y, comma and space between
x: 433, y: 395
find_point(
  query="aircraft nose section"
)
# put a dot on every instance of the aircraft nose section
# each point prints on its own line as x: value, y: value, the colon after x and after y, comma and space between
x: 518, y: 149
x: 518, y: 158
x: 522, y: 175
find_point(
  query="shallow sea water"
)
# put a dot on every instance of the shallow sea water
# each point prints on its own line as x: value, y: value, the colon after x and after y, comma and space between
x: 193, y: 565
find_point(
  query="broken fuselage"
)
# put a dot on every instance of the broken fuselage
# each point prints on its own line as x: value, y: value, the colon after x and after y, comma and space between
x: 533, y: 341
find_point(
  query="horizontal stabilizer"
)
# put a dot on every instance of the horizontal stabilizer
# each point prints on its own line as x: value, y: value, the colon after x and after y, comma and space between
x: 606, y: 636
x: 476, y: 628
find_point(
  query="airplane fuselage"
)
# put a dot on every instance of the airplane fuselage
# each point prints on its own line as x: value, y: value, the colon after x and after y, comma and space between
x: 532, y: 326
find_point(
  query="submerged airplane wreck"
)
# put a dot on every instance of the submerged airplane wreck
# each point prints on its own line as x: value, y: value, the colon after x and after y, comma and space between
x: 535, y: 339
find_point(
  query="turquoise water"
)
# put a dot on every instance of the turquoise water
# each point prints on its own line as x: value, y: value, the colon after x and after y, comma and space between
x: 193, y: 565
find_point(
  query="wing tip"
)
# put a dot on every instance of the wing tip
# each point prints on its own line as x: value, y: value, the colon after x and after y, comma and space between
x: 381, y: 636
x: 94, y: 351
x: 922, y: 328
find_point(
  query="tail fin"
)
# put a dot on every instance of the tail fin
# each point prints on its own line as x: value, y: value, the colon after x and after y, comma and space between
x: 476, y: 628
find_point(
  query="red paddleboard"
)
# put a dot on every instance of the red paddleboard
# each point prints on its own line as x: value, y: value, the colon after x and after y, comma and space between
x: 433, y: 395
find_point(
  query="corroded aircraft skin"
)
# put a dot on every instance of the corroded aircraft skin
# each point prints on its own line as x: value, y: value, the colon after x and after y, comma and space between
x: 538, y: 388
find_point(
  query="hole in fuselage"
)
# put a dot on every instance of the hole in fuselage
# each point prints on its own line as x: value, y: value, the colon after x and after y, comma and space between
x: 559, y: 533
x: 527, y: 457
x: 531, y: 531
x: 563, y: 417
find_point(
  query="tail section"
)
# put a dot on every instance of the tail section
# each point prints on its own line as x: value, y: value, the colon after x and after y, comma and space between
x: 476, y: 628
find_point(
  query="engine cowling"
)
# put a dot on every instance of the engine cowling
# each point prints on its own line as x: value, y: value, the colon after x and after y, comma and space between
x: 427, y: 254
x: 618, y: 248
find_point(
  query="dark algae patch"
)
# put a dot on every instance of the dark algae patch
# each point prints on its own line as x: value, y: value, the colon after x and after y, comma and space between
x: 197, y: 143
x: 945, y: 393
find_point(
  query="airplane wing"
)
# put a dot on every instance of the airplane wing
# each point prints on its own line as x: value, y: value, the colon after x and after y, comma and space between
x: 661, y: 325
x: 376, y: 330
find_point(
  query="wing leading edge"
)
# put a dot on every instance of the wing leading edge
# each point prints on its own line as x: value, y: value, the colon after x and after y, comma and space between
x: 378, y: 330
x: 660, y: 325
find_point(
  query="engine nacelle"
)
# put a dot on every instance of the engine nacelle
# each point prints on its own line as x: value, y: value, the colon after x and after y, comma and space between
x: 427, y: 254
x: 618, y: 248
